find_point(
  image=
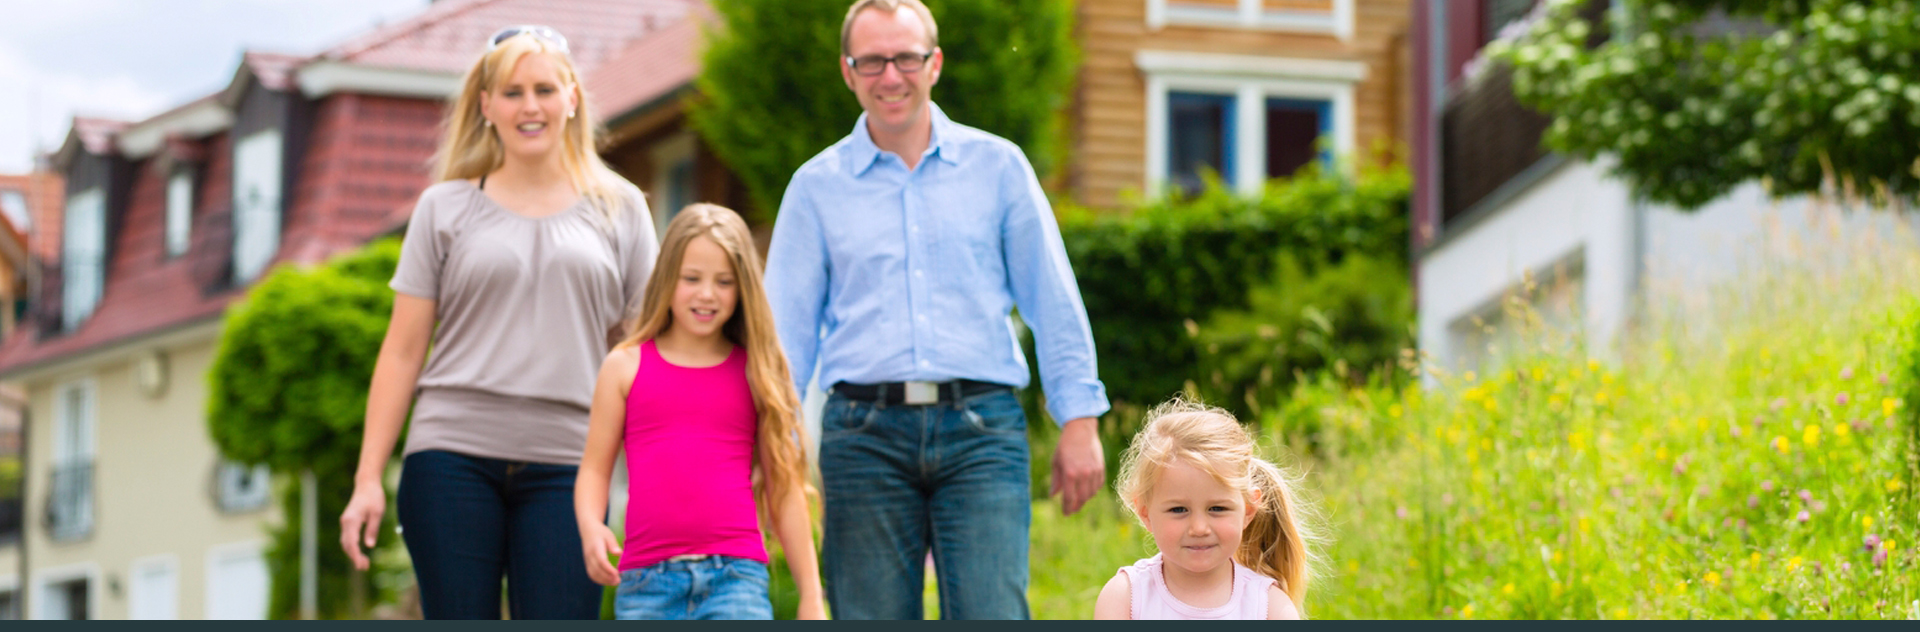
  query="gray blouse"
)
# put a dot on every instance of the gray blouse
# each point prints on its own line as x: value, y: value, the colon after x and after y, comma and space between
x: 523, y: 307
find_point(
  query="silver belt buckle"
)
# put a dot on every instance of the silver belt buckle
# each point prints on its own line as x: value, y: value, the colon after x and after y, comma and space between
x: 922, y: 393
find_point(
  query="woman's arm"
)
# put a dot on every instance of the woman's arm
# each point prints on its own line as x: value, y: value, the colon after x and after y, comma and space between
x: 395, y: 373
x: 793, y: 526
x: 607, y: 420
x: 1116, y: 599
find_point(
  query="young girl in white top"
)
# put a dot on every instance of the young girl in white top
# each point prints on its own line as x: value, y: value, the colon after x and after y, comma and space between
x: 1229, y: 530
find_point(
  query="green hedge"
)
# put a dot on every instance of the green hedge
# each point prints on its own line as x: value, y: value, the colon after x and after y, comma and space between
x: 1150, y: 277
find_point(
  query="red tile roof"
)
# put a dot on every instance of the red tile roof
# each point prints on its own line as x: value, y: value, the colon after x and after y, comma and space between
x: 650, y: 67
x: 630, y: 52
x: 448, y: 35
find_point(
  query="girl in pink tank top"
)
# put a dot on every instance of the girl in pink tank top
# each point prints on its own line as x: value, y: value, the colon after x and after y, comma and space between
x: 1233, y: 542
x: 700, y: 397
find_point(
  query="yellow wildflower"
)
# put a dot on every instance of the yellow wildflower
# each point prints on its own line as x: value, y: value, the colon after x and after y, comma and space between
x: 1593, y: 365
x: 1767, y: 615
x: 1660, y: 454
x: 1395, y: 411
x: 1888, y: 404
x: 1585, y: 524
x: 1600, y: 397
x: 1680, y: 587
x: 1887, y: 544
x: 1893, y: 485
x: 1842, y: 429
x: 1780, y: 443
x: 1794, y: 562
x: 1811, y: 436
x: 1467, y: 612
x: 1713, y: 578
x: 1866, y: 522
x: 1508, y: 589
x: 1619, y: 613
x: 1753, y: 561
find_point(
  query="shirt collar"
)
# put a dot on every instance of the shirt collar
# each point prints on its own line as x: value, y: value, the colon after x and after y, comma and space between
x: 862, y: 153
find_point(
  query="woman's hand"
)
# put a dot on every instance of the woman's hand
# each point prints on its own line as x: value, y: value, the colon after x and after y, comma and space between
x: 361, y: 521
x: 812, y: 610
x: 596, y: 543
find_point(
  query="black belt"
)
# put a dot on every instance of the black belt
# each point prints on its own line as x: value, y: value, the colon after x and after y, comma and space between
x: 897, y: 392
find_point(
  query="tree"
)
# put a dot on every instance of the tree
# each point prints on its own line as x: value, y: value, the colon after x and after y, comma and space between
x: 771, y: 96
x: 1694, y: 97
x: 288, y: 388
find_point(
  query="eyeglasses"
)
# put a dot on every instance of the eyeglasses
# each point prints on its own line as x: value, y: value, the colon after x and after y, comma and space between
x: 543, y: 32
x: 873, y: 65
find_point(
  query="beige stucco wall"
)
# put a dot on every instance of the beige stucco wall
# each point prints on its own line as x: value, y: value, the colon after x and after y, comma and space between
x: 153, y: 479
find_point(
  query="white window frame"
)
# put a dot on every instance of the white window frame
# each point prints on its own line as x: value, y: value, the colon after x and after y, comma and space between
x: 82, y: 242
x: 167, y: 563
x: 44, y: 580
x: 1250, y: 80
x: 667, y: 156
x: 11, y: 584
x: 15, y: 201
x: 256, y: 223
x: 228, y: 476
x: 65, y: 451
x: 179, y: 223
x: 1253, y: 14
x: 256, y: 549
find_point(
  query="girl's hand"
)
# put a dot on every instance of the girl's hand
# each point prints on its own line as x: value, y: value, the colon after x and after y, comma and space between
x: 812, y: 610
x: 597, y: 542
x: 361, y: 521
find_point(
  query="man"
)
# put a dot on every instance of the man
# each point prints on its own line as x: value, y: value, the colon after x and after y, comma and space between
x: 896, y: 259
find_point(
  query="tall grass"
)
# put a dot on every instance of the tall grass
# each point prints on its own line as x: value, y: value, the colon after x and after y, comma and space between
x: 1741, y: 452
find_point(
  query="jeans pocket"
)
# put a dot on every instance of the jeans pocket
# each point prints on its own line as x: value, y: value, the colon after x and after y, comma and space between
x: 748, y: 571
x: 995, y: 413
x: 634, y: 581
x: 847, y: 417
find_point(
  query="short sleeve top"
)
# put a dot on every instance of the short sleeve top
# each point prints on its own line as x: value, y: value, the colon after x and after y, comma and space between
x: 524, y: 306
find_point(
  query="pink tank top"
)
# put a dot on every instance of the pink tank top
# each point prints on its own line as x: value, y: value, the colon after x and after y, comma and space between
x: 1151, y: 600
x: 690, y: 441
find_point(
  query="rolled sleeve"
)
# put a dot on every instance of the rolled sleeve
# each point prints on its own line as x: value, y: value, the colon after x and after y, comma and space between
x: 1048, y: 296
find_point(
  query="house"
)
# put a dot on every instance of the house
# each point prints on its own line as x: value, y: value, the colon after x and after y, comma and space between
x: 23, y: 199
x: 1247, y: 88
x: 1492, y: 209
x: 130, y: 512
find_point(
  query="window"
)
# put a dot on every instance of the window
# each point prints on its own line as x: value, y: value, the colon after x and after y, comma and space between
x: 66, y: 593
x: 237, y: 582
x: 674, y: 186
x: 179, y: 211
x: 239, y: 487
x: 83, y: 257
x: 1333, y: 17
x: 70, y: 500
x: 1247, y: 118
x: 14, y: 204
x: 256, y: 204
x: 154, y: 588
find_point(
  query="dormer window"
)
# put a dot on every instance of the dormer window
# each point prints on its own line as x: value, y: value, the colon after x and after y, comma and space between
x: 82, y: 257
x: 179, y: 227
x: 256, y: 203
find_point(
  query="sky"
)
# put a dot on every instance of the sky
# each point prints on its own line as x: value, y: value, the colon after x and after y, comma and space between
x: 131, y: 59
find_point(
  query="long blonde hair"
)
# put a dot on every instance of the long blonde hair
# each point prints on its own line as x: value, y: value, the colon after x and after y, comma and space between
x: 778, y: 454
x: 471, y: 149
x: 1280, y: 541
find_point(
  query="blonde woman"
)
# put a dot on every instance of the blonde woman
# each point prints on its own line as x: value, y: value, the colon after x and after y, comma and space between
x: 519, y: 268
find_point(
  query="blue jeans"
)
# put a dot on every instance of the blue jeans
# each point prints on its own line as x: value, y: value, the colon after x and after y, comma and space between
x: 900, y: 479
x: 717, y: 587
x: 469, y: 520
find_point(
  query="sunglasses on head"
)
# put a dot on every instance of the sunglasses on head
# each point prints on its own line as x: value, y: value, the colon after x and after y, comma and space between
x: 543, y: 32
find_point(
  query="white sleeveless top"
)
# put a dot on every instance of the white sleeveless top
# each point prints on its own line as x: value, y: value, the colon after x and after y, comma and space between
x: 1151, y: 600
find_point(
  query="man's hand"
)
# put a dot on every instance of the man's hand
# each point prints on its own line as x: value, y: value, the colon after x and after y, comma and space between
x: 1079, y: 465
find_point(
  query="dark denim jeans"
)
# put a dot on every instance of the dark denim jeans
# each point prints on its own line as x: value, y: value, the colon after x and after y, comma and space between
x: 900, y: 479
x: 467, y: 520
x: 717, y: 587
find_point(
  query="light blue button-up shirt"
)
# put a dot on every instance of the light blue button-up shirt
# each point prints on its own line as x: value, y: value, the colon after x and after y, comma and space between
x: 878, y: 273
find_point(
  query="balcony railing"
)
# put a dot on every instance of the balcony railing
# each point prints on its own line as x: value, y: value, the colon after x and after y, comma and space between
x: 70, y: 503
x: 1487, y: 138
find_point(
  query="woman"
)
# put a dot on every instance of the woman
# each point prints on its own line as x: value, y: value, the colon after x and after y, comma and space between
x: 519, y: 267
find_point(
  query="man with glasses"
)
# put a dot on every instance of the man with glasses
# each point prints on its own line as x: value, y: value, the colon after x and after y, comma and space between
x: 897, y: 257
